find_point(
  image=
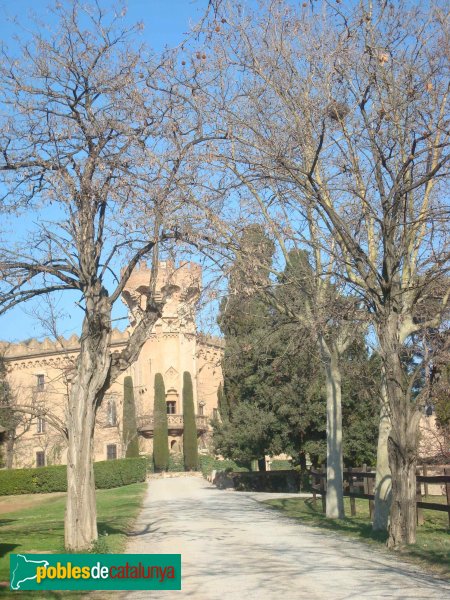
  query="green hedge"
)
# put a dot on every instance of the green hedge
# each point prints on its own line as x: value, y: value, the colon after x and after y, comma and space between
x: 33, y: 481
x: 206, y: 464
x: 115, y: 473
x: 176, y: 464
x: 280, y: 465
x: 108, y: 474
x: 266, y: 481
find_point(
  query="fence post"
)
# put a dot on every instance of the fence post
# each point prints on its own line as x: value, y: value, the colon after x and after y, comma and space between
x: 425, y: 485
x: 366, y: 490
x: 419, y: 511
x: 322, y: 490
x: 313, y: 485
x: 351, y: 489
x: 371, y: 489
x: 447, y: 489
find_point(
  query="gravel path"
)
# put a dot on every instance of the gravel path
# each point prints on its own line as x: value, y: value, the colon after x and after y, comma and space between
x: 234, y: 548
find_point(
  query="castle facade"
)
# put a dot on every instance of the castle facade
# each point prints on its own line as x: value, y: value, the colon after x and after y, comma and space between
x: 39, y: 374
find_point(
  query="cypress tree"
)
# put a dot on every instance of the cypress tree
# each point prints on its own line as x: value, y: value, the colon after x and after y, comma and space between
x: 190, y: 449
x: 160, y: 433
x: 222, y: 403
x: 129, y: 425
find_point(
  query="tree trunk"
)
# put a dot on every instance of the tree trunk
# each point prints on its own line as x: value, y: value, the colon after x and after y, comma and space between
x: 335, y: 492
x: 302, y: 462
x: 9, y: 454
x: 261, y: 464
x: 81, y: 513
x: 85, y: 397
x: 403, y: 438
x: 383, y: 482
x: 402, y: 528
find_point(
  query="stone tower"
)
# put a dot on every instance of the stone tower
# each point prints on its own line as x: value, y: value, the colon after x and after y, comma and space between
x: 172, y: 346
x: 181, y: 285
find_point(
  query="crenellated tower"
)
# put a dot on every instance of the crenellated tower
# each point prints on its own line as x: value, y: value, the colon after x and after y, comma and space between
x: 180, y: 286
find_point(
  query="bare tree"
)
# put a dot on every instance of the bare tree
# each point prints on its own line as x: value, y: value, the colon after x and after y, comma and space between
x: 95, y: 147
x: 14, y: 424
x: 347, y: 109
x: 245, y: 181
x: 320, y: 310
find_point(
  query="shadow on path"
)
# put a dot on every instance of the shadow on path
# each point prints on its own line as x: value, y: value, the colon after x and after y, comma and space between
x: 232, y: 547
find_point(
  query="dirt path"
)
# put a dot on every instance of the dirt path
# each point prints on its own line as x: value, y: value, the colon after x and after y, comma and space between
x: 234, y: 548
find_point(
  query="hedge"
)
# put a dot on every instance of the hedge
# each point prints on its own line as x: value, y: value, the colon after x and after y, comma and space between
x: 206, y: 464
x: 108, y: 474
x: 260, y: 481
x: 280, y: 465
x: 116, y: 473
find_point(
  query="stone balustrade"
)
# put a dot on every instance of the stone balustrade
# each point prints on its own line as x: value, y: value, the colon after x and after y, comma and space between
x: 175, y: 424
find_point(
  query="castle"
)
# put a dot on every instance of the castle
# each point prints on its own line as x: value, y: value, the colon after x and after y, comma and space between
x: 39, y: 375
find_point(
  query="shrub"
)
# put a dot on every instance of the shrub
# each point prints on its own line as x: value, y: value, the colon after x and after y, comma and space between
x: 33, y: 481
x: 208, y: 464
x: 176, y: 463
x: 267, y: 481
x: 115, y: 473
x: 190, y: 447
x: 160, y: 432
x: 108, y: 474
x: 280, y: 465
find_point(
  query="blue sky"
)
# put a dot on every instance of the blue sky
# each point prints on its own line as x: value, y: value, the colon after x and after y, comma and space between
x: 165, y: 24
x: 165, y: 21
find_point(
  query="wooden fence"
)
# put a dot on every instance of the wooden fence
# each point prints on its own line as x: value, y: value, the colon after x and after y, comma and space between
x: 359, y: 482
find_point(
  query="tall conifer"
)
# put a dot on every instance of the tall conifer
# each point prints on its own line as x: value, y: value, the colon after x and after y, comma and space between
x: 129, y: 425
x: 190, y: 448
x: 160, y: 431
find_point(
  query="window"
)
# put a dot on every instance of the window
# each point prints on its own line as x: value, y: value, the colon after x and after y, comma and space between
x: 215, y: 413
x: 41, y: 425
x: 40, y: 383
x: 111, y: 417
x: 40, y: 459
x: 171, y: 407
x: 111, y: 452
x: 200, y: 409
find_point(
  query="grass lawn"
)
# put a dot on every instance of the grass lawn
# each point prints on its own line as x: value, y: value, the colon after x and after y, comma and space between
x: 39, y: 528
x: 432, y: 550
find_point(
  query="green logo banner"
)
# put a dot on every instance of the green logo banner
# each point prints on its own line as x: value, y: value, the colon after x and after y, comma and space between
x: 95, y: 572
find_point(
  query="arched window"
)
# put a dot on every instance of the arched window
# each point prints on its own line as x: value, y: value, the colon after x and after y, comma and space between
x: 111, y: 452
x: 171, y: 401
x: 111, y: 417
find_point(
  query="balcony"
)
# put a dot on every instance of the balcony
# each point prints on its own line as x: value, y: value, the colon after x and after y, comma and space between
x: 175, y: 424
